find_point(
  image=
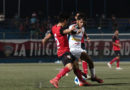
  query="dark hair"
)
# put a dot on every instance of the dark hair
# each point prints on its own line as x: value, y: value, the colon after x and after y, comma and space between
x: 80, y: 13
x: 63, y: 17
x: 81, y: 17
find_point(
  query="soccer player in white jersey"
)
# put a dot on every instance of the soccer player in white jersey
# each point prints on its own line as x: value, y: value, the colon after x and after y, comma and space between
x: 84, y: 64
x: 75, y: 46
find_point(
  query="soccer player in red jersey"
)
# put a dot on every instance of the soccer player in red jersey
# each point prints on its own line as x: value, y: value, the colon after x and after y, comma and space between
x: 63, y: 51
x: 116, y: 48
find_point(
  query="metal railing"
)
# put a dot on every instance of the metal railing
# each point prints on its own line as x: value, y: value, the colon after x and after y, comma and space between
x: 27, y: 35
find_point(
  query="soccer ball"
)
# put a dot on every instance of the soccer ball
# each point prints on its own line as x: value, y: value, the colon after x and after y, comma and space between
x: 76, y: 80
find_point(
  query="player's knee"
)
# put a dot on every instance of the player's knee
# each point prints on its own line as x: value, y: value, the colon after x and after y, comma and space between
x: 118, y: 57
x: 83, y: 56
x: 69, y: 65
x: 75, y: 65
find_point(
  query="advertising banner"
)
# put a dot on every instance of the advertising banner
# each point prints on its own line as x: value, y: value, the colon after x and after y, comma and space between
x: 34, y: 48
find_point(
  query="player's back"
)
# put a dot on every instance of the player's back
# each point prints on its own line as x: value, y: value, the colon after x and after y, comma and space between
x: 61, y: 40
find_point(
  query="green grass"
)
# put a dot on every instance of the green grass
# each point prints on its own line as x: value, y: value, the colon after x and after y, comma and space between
x: 36, y: 77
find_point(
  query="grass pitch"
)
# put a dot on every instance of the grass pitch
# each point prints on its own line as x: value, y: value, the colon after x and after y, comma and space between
x: 36, y: 77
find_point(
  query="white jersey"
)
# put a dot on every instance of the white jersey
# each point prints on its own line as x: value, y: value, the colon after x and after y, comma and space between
x: 75, y: 43
x: 75, y: 39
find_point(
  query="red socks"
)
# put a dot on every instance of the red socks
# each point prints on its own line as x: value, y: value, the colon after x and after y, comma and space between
x: 85, y: 67
x: 115, y: 59
x: 62, y: 73
x: 118, y: 61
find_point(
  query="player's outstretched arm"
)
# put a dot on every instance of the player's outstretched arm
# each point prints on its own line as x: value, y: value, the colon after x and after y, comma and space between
x: 67, y: 31
x: 46, y: 38
x: 87, y: 37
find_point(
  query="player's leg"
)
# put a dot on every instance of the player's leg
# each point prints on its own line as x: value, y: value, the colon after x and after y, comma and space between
x: 67, y: 61
x: 85, y: 57
x: 111, y: 62
x: 78, y: 73
x: 118, y: 61
x: 84, y: 64
x: 114, y: 59
x: 85, y: 67
x: 77, y: 53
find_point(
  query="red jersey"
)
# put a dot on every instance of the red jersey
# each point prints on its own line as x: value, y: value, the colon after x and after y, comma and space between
x: 61, y: 40
x: 116, y: 40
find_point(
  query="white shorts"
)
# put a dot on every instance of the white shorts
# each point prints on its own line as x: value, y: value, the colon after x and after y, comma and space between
x: 77, y: 52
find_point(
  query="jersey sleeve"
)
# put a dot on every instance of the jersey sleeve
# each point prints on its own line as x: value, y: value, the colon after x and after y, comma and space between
x: 113, y: 39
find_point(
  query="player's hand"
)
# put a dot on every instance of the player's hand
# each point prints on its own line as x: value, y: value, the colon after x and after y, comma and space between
x: 73, y: 27
x: 89, y: 40
x: 79, y: 30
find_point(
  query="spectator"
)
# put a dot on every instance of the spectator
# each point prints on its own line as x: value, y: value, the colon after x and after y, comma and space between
x: 115, y: 25
x: 16, y: 21
x: 97, y: 21
x: 33, y: 20
x: 103, y: 21
x: 2, y: 17
x: 22, y: 30
x: 27, y: 24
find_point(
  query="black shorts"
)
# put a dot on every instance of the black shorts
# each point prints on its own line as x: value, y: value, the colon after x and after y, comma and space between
x: 67, y: 58
x: 83, y: 46
x: 117, y: 53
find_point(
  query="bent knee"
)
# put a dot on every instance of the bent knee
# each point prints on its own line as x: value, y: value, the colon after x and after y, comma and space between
x: 118, y: 57
x: 70, y: 66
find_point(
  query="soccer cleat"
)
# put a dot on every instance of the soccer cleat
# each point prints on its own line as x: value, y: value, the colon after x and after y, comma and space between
x: 84, y: 84
x: 85, y: 75
x: 109, y: 65
x: 118, y: 68
x: 97, y: 80
x: 54, y: 82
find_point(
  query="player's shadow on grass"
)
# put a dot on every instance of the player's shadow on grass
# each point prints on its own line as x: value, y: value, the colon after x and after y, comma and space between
x: 106, y: 84
x: 111, y: 84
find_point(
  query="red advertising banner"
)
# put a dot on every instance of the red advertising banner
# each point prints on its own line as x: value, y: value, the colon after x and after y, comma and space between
x: 34, y: 48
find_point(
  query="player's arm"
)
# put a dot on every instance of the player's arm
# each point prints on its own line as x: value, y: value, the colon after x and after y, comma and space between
x: 116, y: 44
x: 70, y: 30
x: 87, y: 37
x: 73, y: 31
x: 46, y: 38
